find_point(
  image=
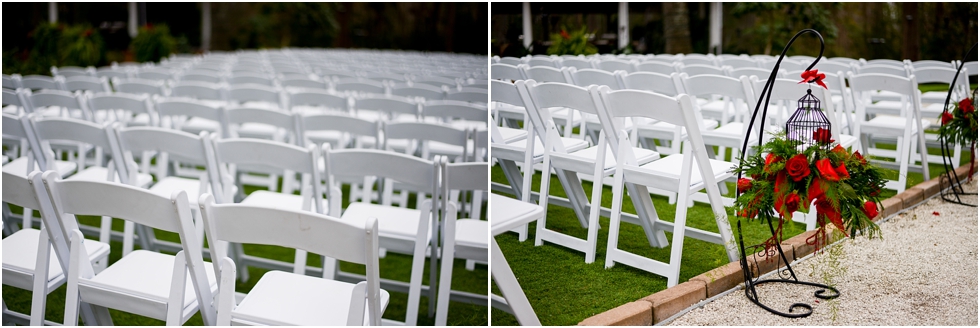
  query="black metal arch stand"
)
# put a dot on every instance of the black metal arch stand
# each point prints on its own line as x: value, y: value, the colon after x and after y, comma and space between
x: 955, y: 190
x: 785, y: 275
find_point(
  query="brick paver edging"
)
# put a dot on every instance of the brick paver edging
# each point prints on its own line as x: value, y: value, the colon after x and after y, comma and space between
x: 666, y: 303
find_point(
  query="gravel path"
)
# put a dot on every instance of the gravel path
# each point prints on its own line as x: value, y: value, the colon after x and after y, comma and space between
x: 924, y: 272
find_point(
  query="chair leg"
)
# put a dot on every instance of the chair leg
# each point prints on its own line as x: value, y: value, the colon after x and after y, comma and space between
x: 415, y: 284
x: 40, y: 289
x: 903, y: 163
x: 445, y: 277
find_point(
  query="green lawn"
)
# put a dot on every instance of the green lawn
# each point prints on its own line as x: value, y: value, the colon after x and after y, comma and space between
x: 393, y: 266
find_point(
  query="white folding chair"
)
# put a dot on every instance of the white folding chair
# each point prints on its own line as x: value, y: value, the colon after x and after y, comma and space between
x: 317, y: 101
x: 684, y: 173
x: 657, y: 67
x: 281, y: 298
x: 737, y: 96
x: 401, y: 230
x: 129, y: 109
x: 87, y: 83
x: 139, y: 86
x: 24, y: 266
x: 568, y: 164
x: 461, y: 238
x: 142, y: 282
x: 908, y: 125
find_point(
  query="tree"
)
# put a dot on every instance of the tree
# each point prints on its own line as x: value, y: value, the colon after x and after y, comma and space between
x: 676, y: 29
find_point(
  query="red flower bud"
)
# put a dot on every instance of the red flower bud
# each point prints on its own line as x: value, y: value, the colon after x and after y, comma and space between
x: 870, y: 209
x: 857, y: 154
x: 966, y: 105
x: 842, y: 172
x: 792, y: 202
x: 744, y: 185
x: 822, y: 136
x: 946, y: 117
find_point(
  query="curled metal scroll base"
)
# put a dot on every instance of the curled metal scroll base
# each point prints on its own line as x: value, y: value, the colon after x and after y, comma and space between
x: 784, y: 275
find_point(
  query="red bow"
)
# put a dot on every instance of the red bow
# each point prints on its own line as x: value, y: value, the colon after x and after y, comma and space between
x: 813, y: 76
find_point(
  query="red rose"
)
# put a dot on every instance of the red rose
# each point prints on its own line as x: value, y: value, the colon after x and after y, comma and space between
x: 771, y: 159
x: 564, y: 34
x: 798, y: 167
x: 946, y: 117
x: 822, y: 136
x: 840, y: 150
x: 870, y: 209
x: 842, y: 172
x: 744, y: 185
x: 792, y: 202
x: 966, y: 106
x: 857, y: 154
x: 826, y: 170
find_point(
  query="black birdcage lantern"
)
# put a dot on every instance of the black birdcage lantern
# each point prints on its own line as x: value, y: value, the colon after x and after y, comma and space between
x: 808, y: 125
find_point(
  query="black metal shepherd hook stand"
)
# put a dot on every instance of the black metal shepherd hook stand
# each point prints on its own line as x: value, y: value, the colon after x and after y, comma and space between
x: 785, y: 275
x: 955, y: 190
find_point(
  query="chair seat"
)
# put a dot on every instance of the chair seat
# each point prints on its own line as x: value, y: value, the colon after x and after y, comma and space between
x: 273, y: 199
x: 98, y: 173
x: 325, y: 136
x: 668, y: 169
x: 19, y: 167
x: 889, y: 125
x: 571, y: 145
x: 472, y: 233
x: 885, y: 106
x: 508, y: 213
x: 511, y: 134
x: 591, y: 154
x: 932, y: 97
x: 20, y: 255
x: 196, y: 124
x: 393, y: 222
x: 166, y: 186
x: 142, y: 274
x: 281, y: 298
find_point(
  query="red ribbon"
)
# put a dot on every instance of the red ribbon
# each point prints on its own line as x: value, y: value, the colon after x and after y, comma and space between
x: 812, y: 76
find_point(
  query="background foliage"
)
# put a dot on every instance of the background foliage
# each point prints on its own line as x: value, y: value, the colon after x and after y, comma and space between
x: 153, y: 43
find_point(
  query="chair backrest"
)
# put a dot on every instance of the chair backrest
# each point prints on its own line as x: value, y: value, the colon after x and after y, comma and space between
x: 201, y: 76
x: 259, y: 79
x: 390, y: 105
x: 833, y: 66
x: 656, y: 66
x: 882, y: 69
x: 501, y: 71
x: 246, y: 93
x: 12, y: 81
x: 419, y: 90
x: 473, y: 95
x: 134, y: 104
x: 87, y: 83
x: 35, y: 82
x: 586, y: 77
x: 188, y: 107
x: 138, y: 86
x: 271, y: 157
x: 542, y: 61
x: 359, y: 85
x: 436, y: 81
x: 69, y: 129
x: 383, y: 76
x: 69, y: 198
x: 612, y: 65
x: 69, y: 71
x: 156, y: 74
x: 577, y: 62
x: 424, y: 132
x: 454, y: 109
x: 754, y: 71
x: 415, y: 174
x: 697, y: 60
x: 319, y: 98
x: 11, y: 97
x: 740, y: 62
x: 279, y: 119
x: 17, y: 190
x: 886, y: 62
x: 349, y: 241
x: 198, y: 90
x: 733, y: 88
x: 340, y: 122
x: 655, y: 82
x: 511, y: 61
x: 544, y: 74
x: 301, y: 82
x: 696, y: 69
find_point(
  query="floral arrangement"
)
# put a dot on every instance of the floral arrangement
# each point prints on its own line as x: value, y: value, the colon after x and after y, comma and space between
x: 574, y: 43
x: 844, y: 186
x: 959, y: 124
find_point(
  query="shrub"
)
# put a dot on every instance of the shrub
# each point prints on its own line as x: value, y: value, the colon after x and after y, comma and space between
x: 153, y: 43
x: 574, y: 43
x: 80, y: 46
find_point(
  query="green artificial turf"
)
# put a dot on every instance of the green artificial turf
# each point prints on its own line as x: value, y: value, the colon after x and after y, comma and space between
x: 393, y: 266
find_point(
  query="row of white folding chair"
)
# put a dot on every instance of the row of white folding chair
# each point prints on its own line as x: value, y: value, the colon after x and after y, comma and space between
x: 647, y: 218
x: 252, y: 147
x: 142, y: 283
